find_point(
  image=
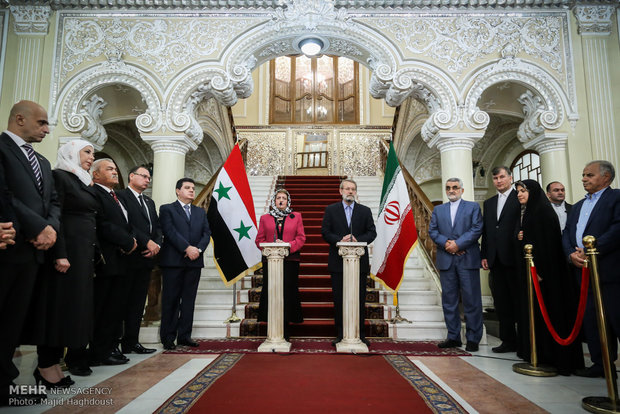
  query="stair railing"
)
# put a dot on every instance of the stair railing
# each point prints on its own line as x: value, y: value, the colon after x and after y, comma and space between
x: 422, y: 210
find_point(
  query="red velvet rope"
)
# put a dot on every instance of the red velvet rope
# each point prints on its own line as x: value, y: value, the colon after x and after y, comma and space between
x: 585, y: 280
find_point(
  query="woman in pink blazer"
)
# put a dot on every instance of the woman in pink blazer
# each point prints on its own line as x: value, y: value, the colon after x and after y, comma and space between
x: 282, y: 225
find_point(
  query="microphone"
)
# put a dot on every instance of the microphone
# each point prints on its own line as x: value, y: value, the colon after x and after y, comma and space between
x: 351, y: 229
x: 275, y: 232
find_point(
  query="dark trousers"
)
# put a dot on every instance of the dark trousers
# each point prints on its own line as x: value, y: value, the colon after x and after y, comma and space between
x: 49, y: 355
x: 178, y: 296
x: 611, y: 295
x: 137, y: 286
x: 466, y: 282
x: 16, y: 287
x: 110, y: 302
x: 504, y: 288
x: 337, y: 291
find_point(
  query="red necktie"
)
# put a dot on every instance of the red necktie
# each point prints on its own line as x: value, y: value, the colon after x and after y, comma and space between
x: 113, y: 194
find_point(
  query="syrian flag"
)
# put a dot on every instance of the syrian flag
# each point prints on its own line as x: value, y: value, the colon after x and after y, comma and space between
x: 396, y: 232
x: 233, y: 221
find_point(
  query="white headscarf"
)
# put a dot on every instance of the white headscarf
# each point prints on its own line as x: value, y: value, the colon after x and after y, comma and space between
x: 69, y: 159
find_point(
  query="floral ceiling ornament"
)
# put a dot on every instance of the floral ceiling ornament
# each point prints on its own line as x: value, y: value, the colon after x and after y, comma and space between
x: 309, y: 14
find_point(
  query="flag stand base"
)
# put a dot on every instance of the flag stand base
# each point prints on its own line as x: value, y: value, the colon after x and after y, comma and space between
x: 397, y: 318
x: 233, y: 318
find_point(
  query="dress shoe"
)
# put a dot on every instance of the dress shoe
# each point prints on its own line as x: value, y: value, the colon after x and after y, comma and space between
x: 188, y: 342
x: 169, y: 345
x: 449, y: 343
x: 335, y: 341
x: 112, y: 360
x: 63, y: 383
x: 471, y: 347
x: 118, y: 354
x: 593, y: 372
x: 504, y: 347
x: 80, y: 371
x: 138, y: 349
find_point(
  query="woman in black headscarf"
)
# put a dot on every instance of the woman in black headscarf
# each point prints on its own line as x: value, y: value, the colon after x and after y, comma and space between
x: 282, y: 225
x: 540, y: 227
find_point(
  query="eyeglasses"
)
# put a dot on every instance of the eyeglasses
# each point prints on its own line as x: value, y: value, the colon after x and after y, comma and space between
x: 454, y: 187
x: 146, y: 177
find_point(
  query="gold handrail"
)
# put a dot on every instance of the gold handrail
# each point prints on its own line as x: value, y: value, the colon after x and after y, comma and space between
x: 204, y: 197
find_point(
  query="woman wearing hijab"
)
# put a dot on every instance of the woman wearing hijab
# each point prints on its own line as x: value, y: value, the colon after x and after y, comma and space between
x: 540, y: 227
x: 68, y: 289
x: 282, y: 225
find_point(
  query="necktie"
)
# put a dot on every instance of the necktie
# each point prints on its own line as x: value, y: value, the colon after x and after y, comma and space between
x: 146, y: 212
x: 113, y: 194
x: 34, y: 163
x: 187, y: 211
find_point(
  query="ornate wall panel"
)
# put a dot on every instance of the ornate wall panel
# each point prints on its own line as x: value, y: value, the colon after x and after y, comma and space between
x: 359, y: 152
x: 266, y: 152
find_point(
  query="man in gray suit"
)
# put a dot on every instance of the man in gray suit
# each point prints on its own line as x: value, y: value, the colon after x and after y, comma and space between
x: 28, y: 178
x: 455, y: 228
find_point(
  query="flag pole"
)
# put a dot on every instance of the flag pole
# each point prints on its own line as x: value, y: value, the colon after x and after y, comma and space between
x: 397, y: 318
x: 234, y: 318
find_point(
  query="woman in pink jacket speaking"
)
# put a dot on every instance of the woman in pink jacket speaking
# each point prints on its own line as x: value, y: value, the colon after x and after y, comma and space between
x: 282, y: 225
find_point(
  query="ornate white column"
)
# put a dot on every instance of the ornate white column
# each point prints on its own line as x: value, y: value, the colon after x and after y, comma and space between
x: 551, y: 146
x: 351, y: 253
x: 30, y: 24
x: 456, y: 158
x: 168, y: 165
x: 594, y: 26
x: 275, y: 342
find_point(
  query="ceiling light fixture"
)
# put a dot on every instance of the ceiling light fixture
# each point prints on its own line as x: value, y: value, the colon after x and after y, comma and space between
x: 311, y: 46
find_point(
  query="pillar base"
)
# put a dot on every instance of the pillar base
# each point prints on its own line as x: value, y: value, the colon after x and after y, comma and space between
x: 274, y: 346
x: 355, y: 346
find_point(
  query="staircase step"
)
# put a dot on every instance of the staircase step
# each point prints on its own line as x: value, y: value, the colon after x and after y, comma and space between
x: 313, y: 327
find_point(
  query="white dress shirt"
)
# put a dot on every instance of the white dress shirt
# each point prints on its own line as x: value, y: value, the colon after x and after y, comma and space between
x: 501, y: 201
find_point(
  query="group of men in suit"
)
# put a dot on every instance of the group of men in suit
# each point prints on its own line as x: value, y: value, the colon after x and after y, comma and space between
x: 456, y: 225
x: 129, y: 237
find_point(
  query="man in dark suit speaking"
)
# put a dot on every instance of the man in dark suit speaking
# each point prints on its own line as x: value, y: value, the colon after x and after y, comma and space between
x: 28, y: 178
x: 455, y: 228
x: 598, y: 215
x: 347, y: 221
x: 186, y: 236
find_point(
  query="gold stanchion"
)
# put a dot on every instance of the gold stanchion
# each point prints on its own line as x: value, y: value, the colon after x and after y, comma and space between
x: 609, y: 404
x: 526, y: 368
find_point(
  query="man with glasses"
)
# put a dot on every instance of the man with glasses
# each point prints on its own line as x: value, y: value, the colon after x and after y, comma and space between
x: 455, y: 228
x: 145, y: 224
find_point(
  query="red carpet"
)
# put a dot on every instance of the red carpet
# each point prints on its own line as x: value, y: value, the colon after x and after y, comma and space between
x: 378, y: 346
x: 310, y: 195
x: 267, y: 383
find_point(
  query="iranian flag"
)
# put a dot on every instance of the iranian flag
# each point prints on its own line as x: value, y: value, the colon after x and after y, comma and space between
x: 396, y: 232
x: 233, y: 221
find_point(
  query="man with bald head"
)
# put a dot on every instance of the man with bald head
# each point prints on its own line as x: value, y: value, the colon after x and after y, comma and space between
x: 598, y: 215
x: 28, y: 178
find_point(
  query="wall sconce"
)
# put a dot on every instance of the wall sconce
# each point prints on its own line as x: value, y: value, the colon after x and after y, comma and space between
x: 310, y: 45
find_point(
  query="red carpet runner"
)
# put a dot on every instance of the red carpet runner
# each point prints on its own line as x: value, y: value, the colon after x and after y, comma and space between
x: 267, y: 383
x: 310, y: 195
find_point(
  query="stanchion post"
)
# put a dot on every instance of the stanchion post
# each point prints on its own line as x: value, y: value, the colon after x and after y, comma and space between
x: 532, y: 368
x: 609, y: 404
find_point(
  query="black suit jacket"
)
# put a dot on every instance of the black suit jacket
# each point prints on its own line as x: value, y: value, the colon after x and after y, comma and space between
x: 604, y: 224
x: 179, y: 233
x: 335, y: 227
x: 140, y: 225
x: 114, y: 235
x: 34, y: 210
x: 7, y: 214
x: 498, y: 241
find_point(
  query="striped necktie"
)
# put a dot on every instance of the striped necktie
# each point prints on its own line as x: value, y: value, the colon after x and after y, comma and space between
x: 34, y: 163
x: 187, y: 211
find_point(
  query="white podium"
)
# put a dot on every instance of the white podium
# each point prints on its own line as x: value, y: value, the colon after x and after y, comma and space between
x: 275, y: 342
x: 351, y: 342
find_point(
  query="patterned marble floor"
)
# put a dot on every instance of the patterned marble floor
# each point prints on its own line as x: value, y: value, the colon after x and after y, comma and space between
x: 483, y: 383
